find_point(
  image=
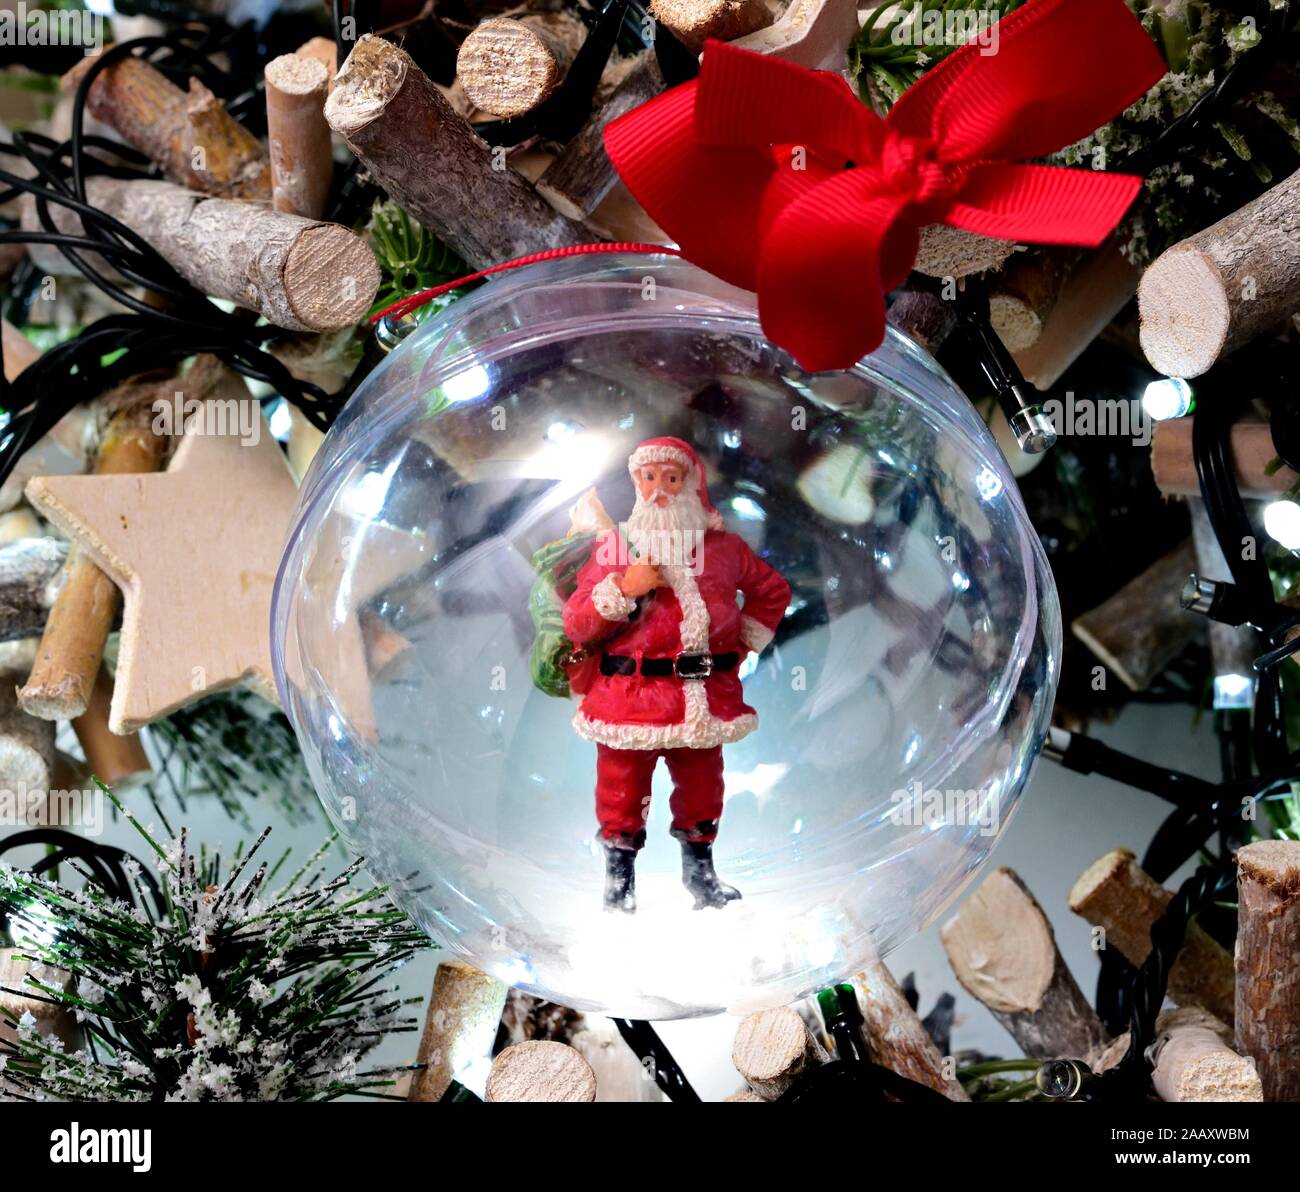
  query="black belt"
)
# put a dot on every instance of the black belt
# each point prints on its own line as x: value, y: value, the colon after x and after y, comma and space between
x: 684, y: 666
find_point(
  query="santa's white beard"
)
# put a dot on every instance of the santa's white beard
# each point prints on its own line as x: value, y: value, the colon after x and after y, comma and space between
x: 668, y: 535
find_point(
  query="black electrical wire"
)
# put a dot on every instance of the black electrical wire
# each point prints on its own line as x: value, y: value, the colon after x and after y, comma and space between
x: 656, y: 1059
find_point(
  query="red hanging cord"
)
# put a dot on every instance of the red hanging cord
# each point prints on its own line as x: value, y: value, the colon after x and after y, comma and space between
x: 417, y: 300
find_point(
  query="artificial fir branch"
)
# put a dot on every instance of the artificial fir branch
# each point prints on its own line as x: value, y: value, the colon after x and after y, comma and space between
x: 410, y: 259
x: 231, y: 746
x: 233, y: 993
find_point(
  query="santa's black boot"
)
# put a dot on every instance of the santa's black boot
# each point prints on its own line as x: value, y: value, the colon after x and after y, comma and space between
x: 700, y: 878
x: 620, y: 877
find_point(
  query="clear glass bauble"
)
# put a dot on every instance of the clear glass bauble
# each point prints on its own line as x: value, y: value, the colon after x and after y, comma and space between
x: 901, y: 706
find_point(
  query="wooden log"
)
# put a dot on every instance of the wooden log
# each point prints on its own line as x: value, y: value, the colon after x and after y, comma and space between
x: 1268, y: 963
x: 1251, y: 446
x: 1117, y: 895
x: 460, y: 1026
x: 578, y: 180
x: 116, y: 759
x: 18, y: 997
x: 896, y: 1035
x: 510, y: 66
x: 1003, y: 951
x: 811, y: 33
x: 397, y: 122
x: 26, y: 745
x: 19, y: 523
x: 926, y: 317
x: 1139, y: 630
x: 192, y: 138
x: 1218, y: 289
x: 323, y: 50
x: 620, y: 1076
x: 693, y: 22
x: 745, y: 1096
x: 1094, y: 293
x: 773, y: 1048
x: 302, y: 163
x: 29, y: 575
x: 1193, y: 1060
x: 1026, y: 291
x: 540, y: 1071
x: 299, y: 273
x: 72, y: 646
x: 952, y: 252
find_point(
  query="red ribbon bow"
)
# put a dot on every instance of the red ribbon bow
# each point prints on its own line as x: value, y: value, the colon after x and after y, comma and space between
x: 777, y: 179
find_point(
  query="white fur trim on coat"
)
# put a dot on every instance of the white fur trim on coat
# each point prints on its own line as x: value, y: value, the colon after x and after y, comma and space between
x: 657, y: 454
x: 700, y: 730
x: 755, y: 635
x: 610, y: 601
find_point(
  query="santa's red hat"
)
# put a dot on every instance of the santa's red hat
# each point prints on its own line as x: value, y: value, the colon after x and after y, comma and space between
x: 667, y: 449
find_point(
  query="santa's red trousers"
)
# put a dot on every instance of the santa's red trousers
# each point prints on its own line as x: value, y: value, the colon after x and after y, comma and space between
x: 623, y: 778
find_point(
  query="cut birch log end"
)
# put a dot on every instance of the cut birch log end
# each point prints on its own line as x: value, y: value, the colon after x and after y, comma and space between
x: 540, y: 1071
x: 81, y: 617
x: 811, y: 33
x: 1250, y: 445
x: 582, y: 175
x: 460, y: 1027
x: 693, y: 22
x: 299, y: 273
x: 30, y: 570
x: 18, y: 997
x: 1139, y: 630
x: 1218, y: 289
x: 323, y: 50
x: 1268, y: 963
x: 926, y: 317
x: 897, y: 1036
x: 302, y: 162
x: 117, y: 760
x: 19, y: 523
x: 1117, y: 895
x: 1003, y: 951
x: 952, y: 252
x: 430, y: 161
x: 746, y: 1097
x: 1022, y: 297
x: 26, y: 746
x: 1193, y: 1060
x: 773, y: 1048
x: 192, y: 138
x: 509, y: 66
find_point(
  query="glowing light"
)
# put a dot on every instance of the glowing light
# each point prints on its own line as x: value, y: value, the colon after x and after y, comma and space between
x: 1169, y: 397
x: 747, y: 509
x: 1233, y: 691
x: 281, y: 422
x: 466, y: 386
x: 961, y: 582
x: 1282, y: 521
x: 988, y: 484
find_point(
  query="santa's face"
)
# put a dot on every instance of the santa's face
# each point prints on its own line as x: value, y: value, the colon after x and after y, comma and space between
x: 657, y: 484
x: 668, y: 521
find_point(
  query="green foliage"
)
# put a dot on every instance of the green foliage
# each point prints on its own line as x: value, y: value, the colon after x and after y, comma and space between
x: 229, y: 992
x: 232, y: 746
x: 410, y: 259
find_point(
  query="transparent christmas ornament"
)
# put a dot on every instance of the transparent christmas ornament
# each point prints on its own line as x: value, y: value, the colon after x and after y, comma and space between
x: 900, y: 707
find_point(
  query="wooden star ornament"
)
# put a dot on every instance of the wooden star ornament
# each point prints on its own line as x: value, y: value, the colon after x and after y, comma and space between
x: 194, y: 550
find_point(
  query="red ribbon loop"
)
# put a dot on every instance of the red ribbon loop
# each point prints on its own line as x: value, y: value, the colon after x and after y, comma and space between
x: 777, y: 179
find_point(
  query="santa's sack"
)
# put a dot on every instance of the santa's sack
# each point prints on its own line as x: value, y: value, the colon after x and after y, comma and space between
x: 557, y: 666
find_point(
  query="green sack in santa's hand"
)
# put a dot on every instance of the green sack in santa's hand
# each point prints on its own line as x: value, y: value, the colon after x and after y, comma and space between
x: 553, y: 655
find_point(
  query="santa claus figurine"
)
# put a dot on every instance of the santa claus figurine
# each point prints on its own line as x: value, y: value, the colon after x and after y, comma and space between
x: 658, y: 607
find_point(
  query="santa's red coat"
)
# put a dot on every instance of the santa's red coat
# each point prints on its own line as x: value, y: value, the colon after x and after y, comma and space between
x: 697, y: 613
